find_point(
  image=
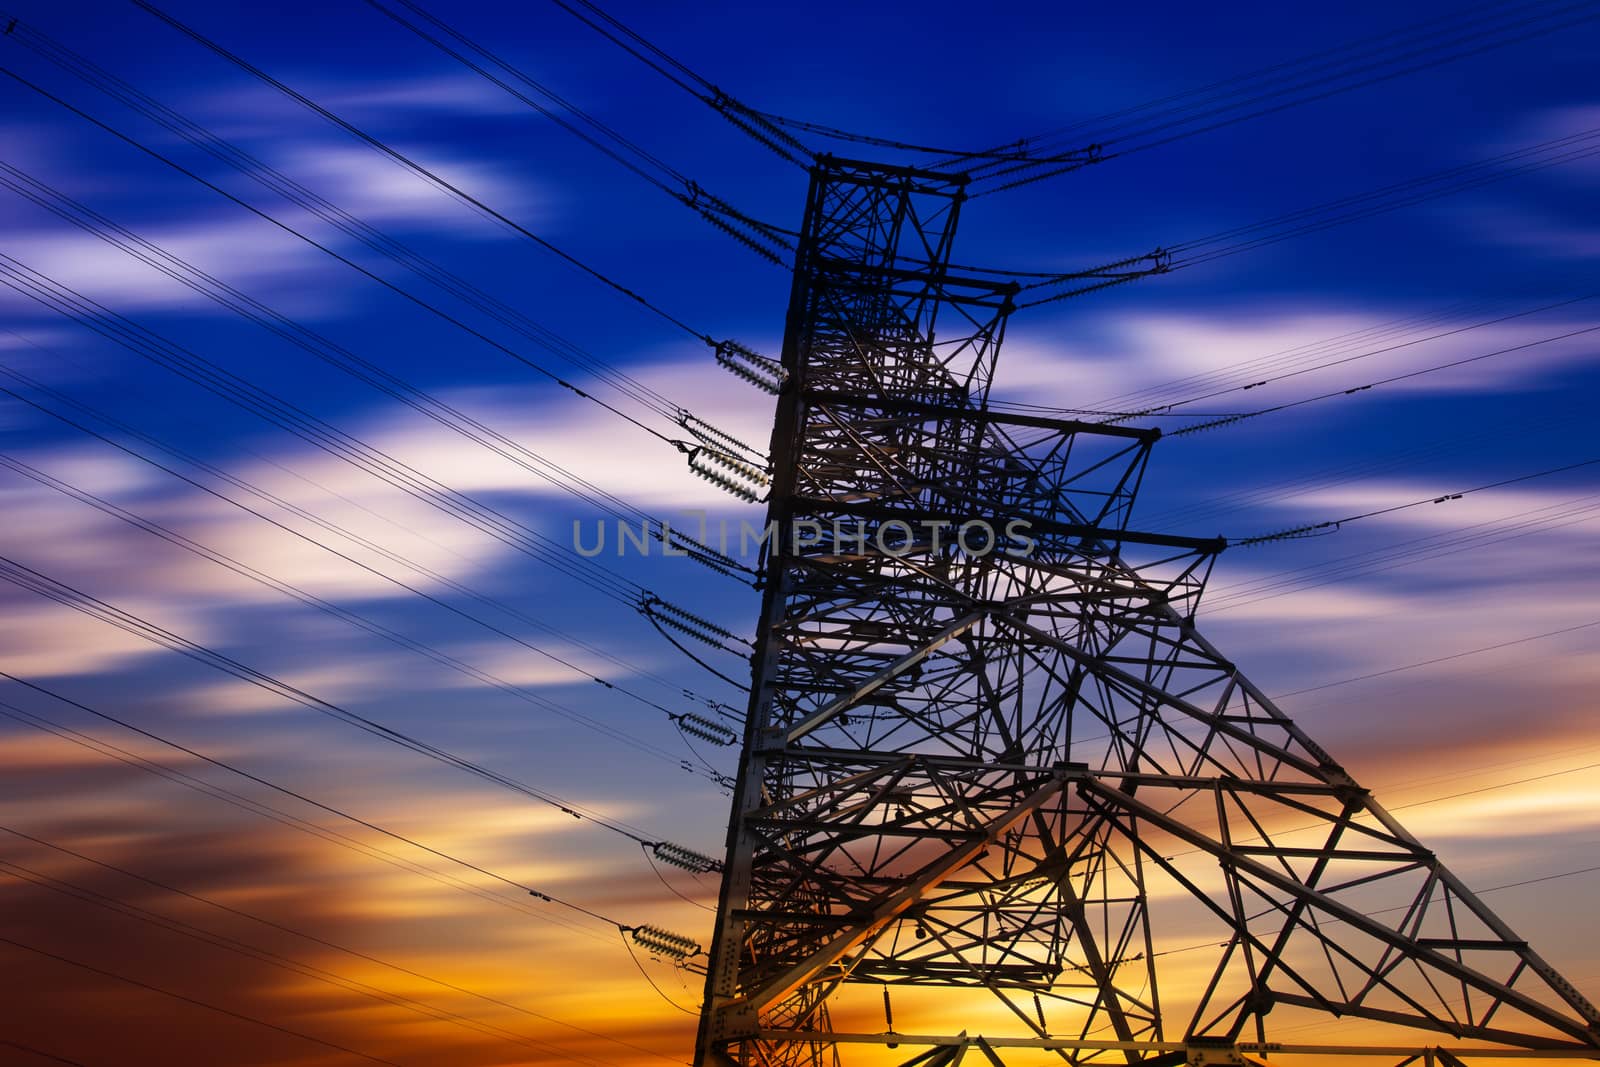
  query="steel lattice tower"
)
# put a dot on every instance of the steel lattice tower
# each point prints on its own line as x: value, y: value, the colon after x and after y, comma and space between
x: 983, y: 777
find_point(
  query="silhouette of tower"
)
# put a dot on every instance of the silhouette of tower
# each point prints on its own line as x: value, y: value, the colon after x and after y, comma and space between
x: 991, y: 768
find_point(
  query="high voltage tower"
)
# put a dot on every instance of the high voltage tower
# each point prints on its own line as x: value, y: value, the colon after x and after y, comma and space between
x: 993, y: 778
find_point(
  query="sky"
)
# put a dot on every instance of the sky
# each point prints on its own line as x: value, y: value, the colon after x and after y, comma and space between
x: 292, y: 887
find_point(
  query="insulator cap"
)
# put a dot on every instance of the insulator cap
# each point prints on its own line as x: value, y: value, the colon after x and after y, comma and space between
x: 754, y: 368
x: 664, y: 942
x: 687, y: 858
x: 658, y: 610
x: 730, y: 479
x: 706, y: 729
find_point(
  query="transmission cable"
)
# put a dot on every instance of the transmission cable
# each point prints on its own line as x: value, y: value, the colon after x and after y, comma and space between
x: 283, y: 185
x: 753, y: 123
x: 1227, y: 109
x: 41, y: 1053
x: 1409, y: 553
x: 1481, y: 435
x: 364, y: 370
x: 1486, y: 532
x: 714, y: 444
x: 1298, y: 367
x: 76, y: 599
x: 277, y: 815
x: 1440, y: 659
x: 194, y: 932
x: 1334, y: 524
x: 764, y: 240
x: 315, y: 431
x: 1282, y: 227
x: 421, y: 171
x: 325, y: 525
x: 167, y: 887
x: 355, y: 619
x: 193, y: 1001
x: 1231, y: 420
x: 282, y: 817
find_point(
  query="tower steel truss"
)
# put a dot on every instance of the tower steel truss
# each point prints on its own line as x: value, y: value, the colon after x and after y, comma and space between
x: 992, y: 770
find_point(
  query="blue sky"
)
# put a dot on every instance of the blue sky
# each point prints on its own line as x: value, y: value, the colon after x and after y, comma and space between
x: 934, y: 73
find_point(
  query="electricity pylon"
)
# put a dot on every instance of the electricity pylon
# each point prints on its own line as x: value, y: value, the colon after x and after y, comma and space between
x: 991, y: 768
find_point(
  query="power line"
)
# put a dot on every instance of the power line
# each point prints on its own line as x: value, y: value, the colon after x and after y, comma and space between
x: 41, y: 1053
x: 102, y: 972
x: 355, y: 619
x: 1386, y: 198
x: 753, y: 123
x: 1332, y: 213
x: 1297, y: 370
x: 446, y: 316
x: 325, y: 943
x: 364, y: 370
x: 1228, y: 86
x: 276, y: 181
x: 761, y: 238
x: 1278, y: 94
x: 321, y: 523
x: 248, y: 951
x: 1332, y: 525
x: 1472, y: 537
x: 1230, y: 420
x: 421, y: 171
x: 1439, y: 659
x: 68, y: 596
x: 317, y: 432
x: 1481, y: 435
x: 238, y: 800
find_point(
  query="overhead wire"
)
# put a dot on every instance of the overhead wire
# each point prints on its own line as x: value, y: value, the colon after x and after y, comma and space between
x: 279, y: 816
x: 1366, y: 61
x: 430, y: 176
x: 1282, y: 227
x: 278, y: 502
x: 1480, y: 435
x: 364, y: 457
x: 1447, y: 182
x: 266, y: 811
x: 410, y: 972
x: 185, y: 998
x: 358, y: 367
x: 765, y: 240
x: 41, y: 1053
x: 1281, y: 93
x: 1512, y: 643
x: 1230, y: 420
x: 1227, y: 86
x: 1472, y: 538
x: 315, y: 431
x: 753, y: 123
x: 68, y: 596
x: 246, y: 950
x: 1300, y: 366
x: 274, y: 180
x: 1293, y: 356
x: 354, y: 619
x: 316, y: 830
x: 411, y: 297
x: 1331, y: 525
x: 715, y: 449
x: 646, y: 976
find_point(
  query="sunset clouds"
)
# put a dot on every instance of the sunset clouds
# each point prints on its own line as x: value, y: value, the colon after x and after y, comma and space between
x: 283, y: 871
